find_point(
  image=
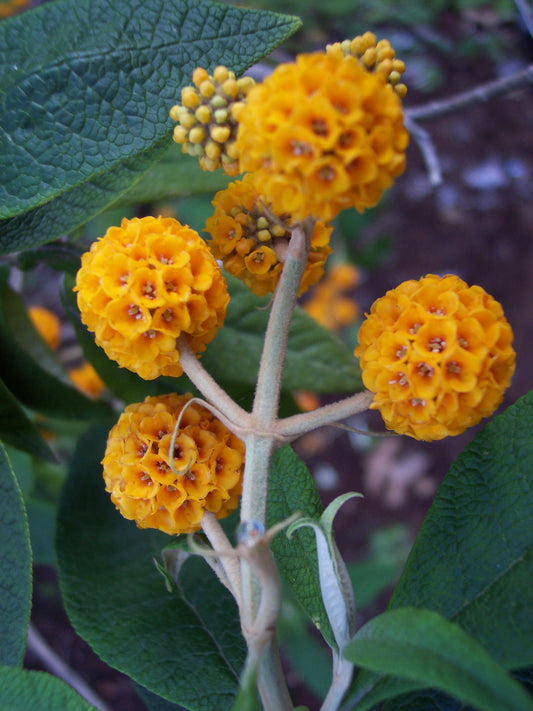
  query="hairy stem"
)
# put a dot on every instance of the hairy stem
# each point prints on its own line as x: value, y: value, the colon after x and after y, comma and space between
x: 290, y: 428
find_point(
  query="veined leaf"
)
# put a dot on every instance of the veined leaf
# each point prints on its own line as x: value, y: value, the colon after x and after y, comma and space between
x: 21, y: 689
x: 473, y: 559
x: 425, y: 647
x: 184, y: 645
x: 15, y: 569
x: 98, y: 91
x: 292, y: 489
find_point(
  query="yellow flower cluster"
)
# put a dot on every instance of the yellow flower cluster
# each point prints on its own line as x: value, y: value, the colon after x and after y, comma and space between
x: 438, y: 354
x: 47, y: 325
x: 375, y: 56
x: 322, y: 134
x: 143, y: 285
x: 139, y: 477
x: 251, y: 239
x: 328, y: 304
x: 207, y: 117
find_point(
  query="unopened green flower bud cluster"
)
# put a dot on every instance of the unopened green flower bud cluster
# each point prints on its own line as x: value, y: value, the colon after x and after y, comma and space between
x: 375, y: 56
x: 208, y: 117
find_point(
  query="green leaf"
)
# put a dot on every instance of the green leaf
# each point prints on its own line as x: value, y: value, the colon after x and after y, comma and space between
x: 291, y: 489
x: 184, y: 645
x: 74, y: 207
x: 473, y: 559
x: 316, y: 359
x: 175, y: 175
x: 423, y: 646
x: 99, y: 90
x: 16, y: 428
x: 31, y: 370
x: 21, y: 690
x: 156, y: 703
x: 15, y: 568
x: 61, y: 256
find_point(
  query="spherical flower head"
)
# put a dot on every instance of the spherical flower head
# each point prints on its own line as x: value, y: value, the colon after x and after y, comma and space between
x: 438, y: 354
x: 142, y: 286
x: 251, y: 240
x: 375, y: 56
x: 208, y: 117
x: 47, y: 325
x: 323, y: 134
x: 138, y: 474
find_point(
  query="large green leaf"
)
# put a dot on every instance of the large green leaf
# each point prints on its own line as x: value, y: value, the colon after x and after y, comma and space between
x: 21, y: 690
x: 98, y: 91
x: 423, y: 646
x: 316, y: 359
x: 175, y: 175
x: 15, y: 568
x: 184, y: 645
x: 473, y: 558
x: 74, y: 207
x: 292, y: 489
x: 30, y: 369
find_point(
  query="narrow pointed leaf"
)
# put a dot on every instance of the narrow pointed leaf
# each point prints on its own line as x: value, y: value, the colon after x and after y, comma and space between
x: 423, y: 646
x: 16, y: 428
x: 99, y: 90
x: 292, y: 489
x: 15, y: 568
x: 184, y: 645
x: 21, y: 689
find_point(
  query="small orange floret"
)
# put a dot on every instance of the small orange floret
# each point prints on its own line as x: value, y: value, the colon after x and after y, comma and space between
x: 438, y: 354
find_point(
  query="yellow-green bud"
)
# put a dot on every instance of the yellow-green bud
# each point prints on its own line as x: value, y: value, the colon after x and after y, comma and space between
x: 196, y: 135
x: 264, y: 236
x: 207, y: 89
x: 221, y: 115
x: 203, y: 114
x: 220, y: 134
x: 221, y: 73
x: 180, y: 134
x: 189, y: 97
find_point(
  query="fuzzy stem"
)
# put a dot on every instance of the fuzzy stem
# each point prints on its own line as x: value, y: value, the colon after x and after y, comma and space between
x: 268, y: 387
x: 207, y: 385
x: 292, y: 427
